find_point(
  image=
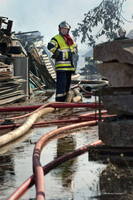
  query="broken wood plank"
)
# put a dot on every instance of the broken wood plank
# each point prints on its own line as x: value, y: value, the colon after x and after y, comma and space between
x: 12, y: 99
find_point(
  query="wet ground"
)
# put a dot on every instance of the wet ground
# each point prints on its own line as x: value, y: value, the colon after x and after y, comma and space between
x: 77, y: 179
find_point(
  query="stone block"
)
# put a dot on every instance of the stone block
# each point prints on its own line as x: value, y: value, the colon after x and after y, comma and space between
x: 117, y: 50
x: 118, y: 104
x: 116, y: 133
x: 118, y: 74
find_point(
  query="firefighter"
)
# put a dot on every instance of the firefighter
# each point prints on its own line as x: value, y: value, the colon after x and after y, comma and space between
x: 63, y: 49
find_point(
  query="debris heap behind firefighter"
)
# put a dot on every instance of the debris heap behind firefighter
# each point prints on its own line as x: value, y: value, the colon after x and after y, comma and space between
x: 64, y: 50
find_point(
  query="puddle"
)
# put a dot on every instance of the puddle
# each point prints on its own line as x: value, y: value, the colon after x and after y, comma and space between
x: 77, y: 179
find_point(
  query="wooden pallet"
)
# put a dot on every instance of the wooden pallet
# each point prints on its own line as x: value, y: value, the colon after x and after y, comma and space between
x: 11, y: 99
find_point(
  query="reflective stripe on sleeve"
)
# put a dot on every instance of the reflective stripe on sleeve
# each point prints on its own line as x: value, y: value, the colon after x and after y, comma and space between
x: 61, y: 95
x: 63, y: 63
x: 55, y: 44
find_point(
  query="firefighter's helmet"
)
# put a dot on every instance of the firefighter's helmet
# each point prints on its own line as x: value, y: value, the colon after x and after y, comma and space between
x: 64, y: 24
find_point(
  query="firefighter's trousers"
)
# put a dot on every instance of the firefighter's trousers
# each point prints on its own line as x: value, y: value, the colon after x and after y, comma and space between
x: 63, y: 81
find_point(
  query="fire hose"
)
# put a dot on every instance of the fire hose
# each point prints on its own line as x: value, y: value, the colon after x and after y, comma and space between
x: 37, y: 168
x: 20, y: 191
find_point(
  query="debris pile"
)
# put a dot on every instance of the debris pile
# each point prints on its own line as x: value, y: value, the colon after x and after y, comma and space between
x: 11, y: 89
x: 40, y: 64
x: 10, y: 86
x: 26, y: 68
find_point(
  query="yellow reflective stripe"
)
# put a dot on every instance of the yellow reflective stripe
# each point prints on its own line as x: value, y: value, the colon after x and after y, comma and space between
x: 54, y: 43
x: 53, y: 49
x: 66, y: 69
x: 66, y: 55
x: 63, y: 56
x: 55, y: 46
x: 62, y: 65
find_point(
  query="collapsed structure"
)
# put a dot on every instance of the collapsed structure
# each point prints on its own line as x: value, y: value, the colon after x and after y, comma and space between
x: 25, y: 65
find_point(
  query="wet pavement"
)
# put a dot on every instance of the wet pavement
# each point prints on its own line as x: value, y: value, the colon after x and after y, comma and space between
x: 77, y: 179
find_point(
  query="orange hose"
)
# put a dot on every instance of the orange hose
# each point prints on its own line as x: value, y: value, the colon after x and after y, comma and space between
x: 37, y: 168
x: 48, y: 167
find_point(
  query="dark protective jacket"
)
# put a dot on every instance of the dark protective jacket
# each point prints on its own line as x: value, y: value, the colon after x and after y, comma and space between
x: 62, y: 53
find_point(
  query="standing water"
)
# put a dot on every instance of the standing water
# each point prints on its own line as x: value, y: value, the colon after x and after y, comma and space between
x: 76, y: 179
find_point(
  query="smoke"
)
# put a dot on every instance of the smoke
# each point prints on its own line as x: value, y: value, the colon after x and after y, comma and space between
x: 25, y: 14
x: 45, y: 15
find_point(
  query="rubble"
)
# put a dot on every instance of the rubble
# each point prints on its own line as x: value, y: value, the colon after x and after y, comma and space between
x: 25, y: 66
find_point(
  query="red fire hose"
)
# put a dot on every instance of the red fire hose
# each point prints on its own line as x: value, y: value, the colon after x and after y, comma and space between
x: 84, y: 117
x: 36, y: 165
x: 53, y: 105
x: 37, y: 168
x: 47, y: 168
x: 40, y: 124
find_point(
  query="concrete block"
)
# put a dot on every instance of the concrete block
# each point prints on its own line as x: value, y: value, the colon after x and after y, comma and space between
x: 118, y: 104
x: 118, y: 74
x: 116, y: 133
x: 117, y: 50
